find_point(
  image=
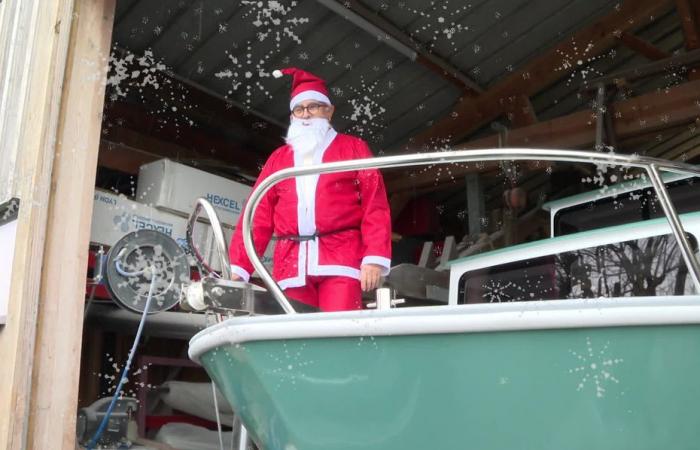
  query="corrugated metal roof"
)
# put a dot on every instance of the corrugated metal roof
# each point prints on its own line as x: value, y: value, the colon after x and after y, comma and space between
x: 232, y: 47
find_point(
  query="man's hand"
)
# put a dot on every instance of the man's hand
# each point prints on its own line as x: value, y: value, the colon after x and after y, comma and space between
x: 370, y: 275
x: 235, y: 277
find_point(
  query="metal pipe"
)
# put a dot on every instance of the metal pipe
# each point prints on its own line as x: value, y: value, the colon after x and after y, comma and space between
x: 166, y: 324
x: 358, y: 14
x: 676, y: 225
x: 372, y: 29
x: 416, y: 159
x: 599, y: 117
x: 218, y: 236
x: 243, y: 439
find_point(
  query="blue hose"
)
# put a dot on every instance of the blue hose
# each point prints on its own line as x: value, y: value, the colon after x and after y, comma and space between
x: 125, y: 372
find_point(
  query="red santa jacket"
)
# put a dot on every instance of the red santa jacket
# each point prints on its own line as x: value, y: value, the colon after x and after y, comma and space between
x: 349, y: 210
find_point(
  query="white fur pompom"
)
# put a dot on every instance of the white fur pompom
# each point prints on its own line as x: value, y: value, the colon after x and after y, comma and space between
x: 277, y: 73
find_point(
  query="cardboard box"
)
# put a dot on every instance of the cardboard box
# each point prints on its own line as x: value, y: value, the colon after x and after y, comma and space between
x: 172, y: 186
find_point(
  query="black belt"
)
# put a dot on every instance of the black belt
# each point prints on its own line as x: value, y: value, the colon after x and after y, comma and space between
x: 309, y: 237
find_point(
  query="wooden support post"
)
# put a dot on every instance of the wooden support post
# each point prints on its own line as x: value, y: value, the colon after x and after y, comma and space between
x: 642, y: 47
x: 89, y: 386
x: 689, y: 15
x: 426, y: 255
x: 53, y: 405
x: 34, y: 36
x: 519, y: 111
x: 475, y: 204
x: 688, y: 18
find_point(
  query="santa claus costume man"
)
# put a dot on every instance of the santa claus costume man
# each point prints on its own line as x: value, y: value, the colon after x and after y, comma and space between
x: 332, y: 231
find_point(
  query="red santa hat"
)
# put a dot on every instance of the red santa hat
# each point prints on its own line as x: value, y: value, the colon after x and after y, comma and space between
x: 305, y: 86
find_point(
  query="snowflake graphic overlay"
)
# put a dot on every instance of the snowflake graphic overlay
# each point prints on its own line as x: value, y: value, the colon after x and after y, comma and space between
x: 366, y: 115
x: 291, y: 364
x: 496, y: 292
x: 580, y: 62
x: 246, y: 73
x: 595, y: 368
x: 148, y: 78
x: 440, y: 22
x: 273, y: 20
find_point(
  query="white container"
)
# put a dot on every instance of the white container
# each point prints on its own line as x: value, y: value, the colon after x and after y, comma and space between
x: 114, y: 216
x: 172, y: 186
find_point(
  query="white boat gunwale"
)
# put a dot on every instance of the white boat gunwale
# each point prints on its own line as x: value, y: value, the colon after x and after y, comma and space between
x: 452, y: 319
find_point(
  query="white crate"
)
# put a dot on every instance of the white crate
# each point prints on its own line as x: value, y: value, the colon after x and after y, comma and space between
x: 172, y: 186
x: 114, y: 216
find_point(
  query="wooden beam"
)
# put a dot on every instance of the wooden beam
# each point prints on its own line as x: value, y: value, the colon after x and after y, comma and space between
x: 519, y: 110
x: 121, y: 157
x: 689, y: 14
x: 438, y: 65
x: 128, y: 155
x: 644, y: 48
x: 33, y: 48
x: 682, y: 60
x: 54, y: 397
x: 469, y: 114
x: 688, y: 17
x: 136, y: 127
x: 644, y: 114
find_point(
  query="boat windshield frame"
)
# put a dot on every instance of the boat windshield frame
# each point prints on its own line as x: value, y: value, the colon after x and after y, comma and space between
x: 652, y: 167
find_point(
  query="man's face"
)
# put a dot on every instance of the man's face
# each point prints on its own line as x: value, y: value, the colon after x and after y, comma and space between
x: 308, y: 109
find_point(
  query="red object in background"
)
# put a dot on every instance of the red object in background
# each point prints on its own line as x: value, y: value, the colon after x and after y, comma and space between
x: 437, y: 248
x: 101, y: 291
x: 419, y: 217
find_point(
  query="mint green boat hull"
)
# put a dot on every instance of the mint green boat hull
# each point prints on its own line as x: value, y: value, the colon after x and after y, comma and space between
x: 592, y: 388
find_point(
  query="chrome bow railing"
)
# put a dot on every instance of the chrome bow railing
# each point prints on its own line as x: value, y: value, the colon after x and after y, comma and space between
x: 219, y: 239
x: 652, y: 166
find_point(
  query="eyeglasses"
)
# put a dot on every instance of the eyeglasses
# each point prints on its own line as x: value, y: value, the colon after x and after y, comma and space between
x: 312, y: 108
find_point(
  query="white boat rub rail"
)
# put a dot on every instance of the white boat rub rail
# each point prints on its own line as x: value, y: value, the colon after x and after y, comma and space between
x: 652, y: 166
x: 517, y: 316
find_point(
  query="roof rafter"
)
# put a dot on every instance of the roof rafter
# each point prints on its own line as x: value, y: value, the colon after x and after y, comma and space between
x: 689, y: 14
x: 469, y: 114
x: 642, y: 47
x: 356, y: 12
x: 643, y: 114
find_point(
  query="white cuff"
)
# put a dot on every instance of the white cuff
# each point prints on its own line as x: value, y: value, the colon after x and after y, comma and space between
x: 241, y: 272
x: 380, y: 261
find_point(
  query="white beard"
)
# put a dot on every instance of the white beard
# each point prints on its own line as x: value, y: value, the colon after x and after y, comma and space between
x: 305, y: 135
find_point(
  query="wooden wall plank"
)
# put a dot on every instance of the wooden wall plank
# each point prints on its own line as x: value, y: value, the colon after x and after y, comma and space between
x: 55, y: 377
x: 33, y: 48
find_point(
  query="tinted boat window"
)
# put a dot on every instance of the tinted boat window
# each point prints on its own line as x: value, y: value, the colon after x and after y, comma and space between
x: 627, y: 207
x: 643, y: 267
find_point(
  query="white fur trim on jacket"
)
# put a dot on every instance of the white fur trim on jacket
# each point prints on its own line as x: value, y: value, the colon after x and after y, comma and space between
x: 380, y: 261
x: 241, y: 272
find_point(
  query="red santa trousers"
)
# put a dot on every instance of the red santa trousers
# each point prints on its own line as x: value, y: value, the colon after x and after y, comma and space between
x: 328, y: 293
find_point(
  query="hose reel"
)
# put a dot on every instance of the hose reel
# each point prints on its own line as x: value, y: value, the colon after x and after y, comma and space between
x: 135, y: 260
